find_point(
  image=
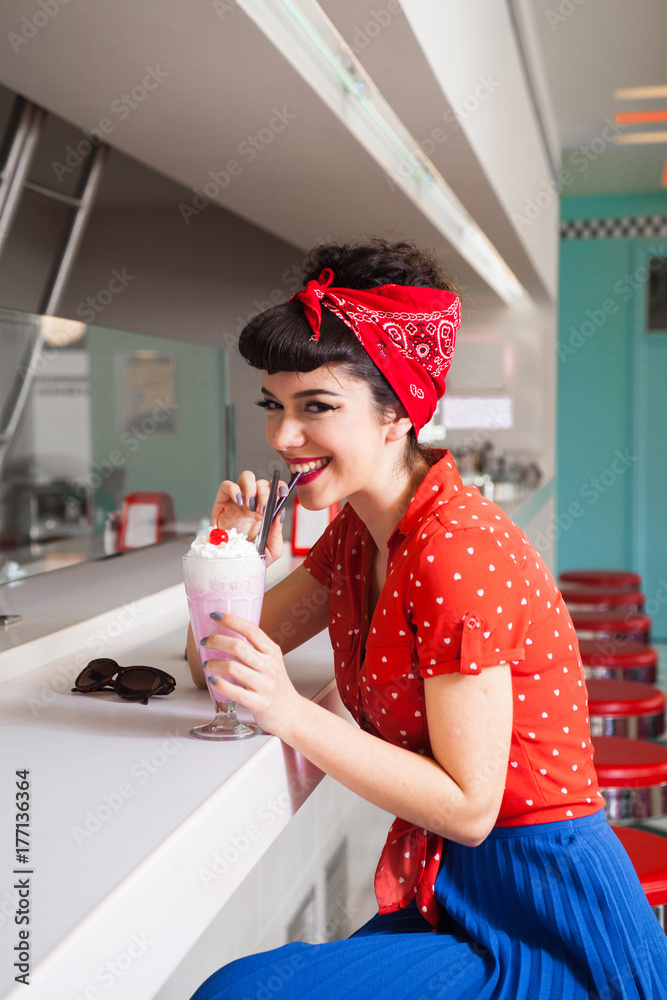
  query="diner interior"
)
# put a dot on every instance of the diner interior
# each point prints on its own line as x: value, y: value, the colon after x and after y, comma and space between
x: 164, y: 168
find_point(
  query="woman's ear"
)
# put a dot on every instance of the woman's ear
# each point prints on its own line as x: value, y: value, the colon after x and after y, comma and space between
x: 398, y: 428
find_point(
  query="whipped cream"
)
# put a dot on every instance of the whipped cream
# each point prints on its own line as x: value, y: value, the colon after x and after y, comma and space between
x: 237, y: 547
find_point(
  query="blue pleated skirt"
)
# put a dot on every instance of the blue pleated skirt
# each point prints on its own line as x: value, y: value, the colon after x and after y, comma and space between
x: 553, y: 910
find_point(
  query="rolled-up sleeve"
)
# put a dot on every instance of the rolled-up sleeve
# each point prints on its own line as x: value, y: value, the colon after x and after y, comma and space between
x: 469, y: 603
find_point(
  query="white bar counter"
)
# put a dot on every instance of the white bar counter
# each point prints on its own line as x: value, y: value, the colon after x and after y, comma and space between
x: 139, y: 834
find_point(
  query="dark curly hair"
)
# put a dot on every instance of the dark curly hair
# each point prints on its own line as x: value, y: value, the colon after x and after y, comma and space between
x: 279, y: 340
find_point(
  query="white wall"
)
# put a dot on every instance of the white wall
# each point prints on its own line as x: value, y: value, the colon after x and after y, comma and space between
x: 527, y: 333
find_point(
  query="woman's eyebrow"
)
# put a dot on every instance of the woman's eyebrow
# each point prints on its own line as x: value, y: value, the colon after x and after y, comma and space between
x: 304, y: 393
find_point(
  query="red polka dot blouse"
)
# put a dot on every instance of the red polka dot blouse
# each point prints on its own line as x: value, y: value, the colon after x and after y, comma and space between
x: 464, y: 590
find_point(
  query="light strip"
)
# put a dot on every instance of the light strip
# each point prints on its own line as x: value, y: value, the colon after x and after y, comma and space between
x: 305, y: 36
x: 640, y: 138
x: 640, y: 117
x: 639, y: 93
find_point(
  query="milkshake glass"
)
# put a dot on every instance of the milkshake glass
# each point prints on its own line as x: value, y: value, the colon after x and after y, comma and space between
x: 225, y: 577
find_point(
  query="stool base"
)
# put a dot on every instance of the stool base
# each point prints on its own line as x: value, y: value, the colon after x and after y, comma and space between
x: 643, y: 675
x: 634, y: 727
x: 630, y: 804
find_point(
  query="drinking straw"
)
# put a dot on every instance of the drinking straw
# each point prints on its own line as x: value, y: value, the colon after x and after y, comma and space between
x: 266, y: 517
x: 283, y: 500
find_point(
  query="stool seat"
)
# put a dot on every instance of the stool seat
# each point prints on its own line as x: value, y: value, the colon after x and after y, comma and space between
x: 603, y: 578
x: 632, y: 775
x: 648, y: 853
x: 626, y: 708
x: 602, y: 598
x: 619, y: 661
x: 610, y: 623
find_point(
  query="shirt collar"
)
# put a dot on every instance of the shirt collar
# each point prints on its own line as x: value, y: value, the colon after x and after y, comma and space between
x: 441, y: 482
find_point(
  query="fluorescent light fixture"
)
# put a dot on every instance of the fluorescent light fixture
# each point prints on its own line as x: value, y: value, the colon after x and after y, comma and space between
x: 640, y: 138
x: 305, y: 36
x: 493, y: 413
x: 639, y: 93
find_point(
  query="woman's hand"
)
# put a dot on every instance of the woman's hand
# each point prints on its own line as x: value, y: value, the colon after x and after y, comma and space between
x: 243, y: 503
x: 268, y: 691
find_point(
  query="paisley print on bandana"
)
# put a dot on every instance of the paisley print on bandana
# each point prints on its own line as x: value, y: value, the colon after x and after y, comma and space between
x: 408, y: 331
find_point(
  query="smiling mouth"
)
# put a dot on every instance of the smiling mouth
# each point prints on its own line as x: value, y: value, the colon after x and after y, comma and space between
x: 304, y: 467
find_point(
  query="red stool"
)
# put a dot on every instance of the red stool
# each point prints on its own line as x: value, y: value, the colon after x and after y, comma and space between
x: 625, y: 708
x: 648, y: 853
x: 632, y: 775
x: 580, y: 598
x: 603, y: 578
x: 619, y: 661
x: 634, y: 625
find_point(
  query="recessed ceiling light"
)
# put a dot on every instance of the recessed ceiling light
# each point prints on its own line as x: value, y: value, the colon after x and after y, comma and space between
x: 641, y: 138
x: 640, y: 117
x: 639, y: 93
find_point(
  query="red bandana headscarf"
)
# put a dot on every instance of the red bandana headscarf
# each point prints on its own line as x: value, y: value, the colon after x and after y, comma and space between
x: 408, y: 331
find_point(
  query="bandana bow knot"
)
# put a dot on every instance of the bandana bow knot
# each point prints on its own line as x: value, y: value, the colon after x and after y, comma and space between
x: 408, y: 331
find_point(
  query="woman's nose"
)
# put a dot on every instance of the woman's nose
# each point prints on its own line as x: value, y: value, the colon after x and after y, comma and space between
x: 285, y: 434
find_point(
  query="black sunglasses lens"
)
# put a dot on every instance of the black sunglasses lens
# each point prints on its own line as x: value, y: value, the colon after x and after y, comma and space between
x: 137, y: 682
x: 98, y: 672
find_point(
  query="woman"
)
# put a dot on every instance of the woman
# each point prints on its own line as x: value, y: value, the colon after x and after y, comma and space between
x: 454, y: 653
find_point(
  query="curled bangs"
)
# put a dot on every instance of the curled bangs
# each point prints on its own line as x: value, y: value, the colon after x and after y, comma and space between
x: 279, y: 340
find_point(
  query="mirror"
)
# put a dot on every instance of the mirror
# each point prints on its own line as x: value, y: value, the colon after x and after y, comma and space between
x: 89, y: 415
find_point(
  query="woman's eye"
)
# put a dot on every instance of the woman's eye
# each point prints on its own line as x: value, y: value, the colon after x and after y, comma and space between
x: 311, y: 407
x: 320, y: 407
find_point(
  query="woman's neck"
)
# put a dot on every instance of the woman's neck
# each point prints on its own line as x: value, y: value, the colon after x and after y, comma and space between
x: 382, y: 507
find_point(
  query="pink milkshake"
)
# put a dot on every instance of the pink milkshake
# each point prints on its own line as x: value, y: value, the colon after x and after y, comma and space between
x: 225, y: 577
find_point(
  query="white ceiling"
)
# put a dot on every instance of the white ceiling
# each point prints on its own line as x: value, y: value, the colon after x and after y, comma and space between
x: 223, y: 81
x: 603, y: 45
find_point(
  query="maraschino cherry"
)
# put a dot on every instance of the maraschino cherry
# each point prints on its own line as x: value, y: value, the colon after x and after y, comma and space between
x: 218, y: 535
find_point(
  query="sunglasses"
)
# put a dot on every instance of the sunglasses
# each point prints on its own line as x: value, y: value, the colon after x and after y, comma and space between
x: 131, y: 684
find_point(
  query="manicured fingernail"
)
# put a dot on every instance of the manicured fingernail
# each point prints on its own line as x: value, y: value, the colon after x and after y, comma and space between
x: 239, y: 499
x: 212, y: 679
x: 282, y: 491
x: 282, y: 515
x: 202, y: 642
x: 217, y: 616
x: 253, y: 503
